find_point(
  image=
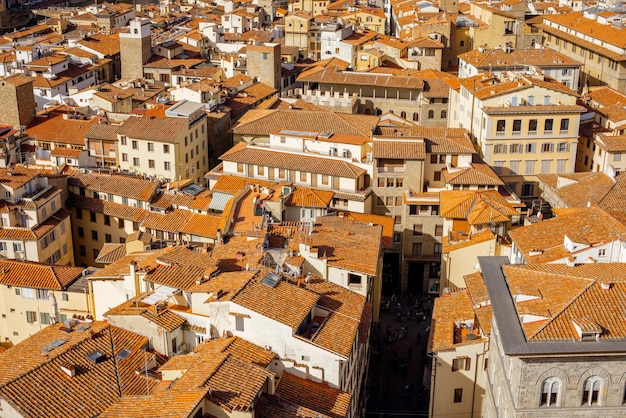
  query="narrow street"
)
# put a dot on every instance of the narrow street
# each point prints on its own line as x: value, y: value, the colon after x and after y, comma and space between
x: 395, y: 385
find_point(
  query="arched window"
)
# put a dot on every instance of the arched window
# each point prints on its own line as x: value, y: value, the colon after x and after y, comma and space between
x: 550, y: 392
x: 431, y: 114
x: 416, y: 117
x: 591, y: 390
x: 403, y: 115
x: 444, y: 114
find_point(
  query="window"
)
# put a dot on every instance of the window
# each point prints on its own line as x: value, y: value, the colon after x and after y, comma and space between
x: 136, y: 162
x: 431, y: 114
x: 437, y: 176
x: 438, y: 230
x: 591, y: 390
x: 81, y: 232
x: 151, y: 146
x: 107, y: 238
x: 92, y: 216
x: 44, y: 318
x: 458, y: 395
x: 135, y: 145
x: 239, y: 323
x: 602, y: 252
x: 31, y: 317
x: 95, y: 253
x: 413, y: 210
x: 514, y: 166
x: 124, y: 156
x: 499, y: 149
x: 461, y: 363
x: 548, y: 124
x: 517, y: 126
x: 123, y: 140
x: 94, y: 235
x: 500, y: 126
x: 417, y: 249
x: 560, y: 166
x: 354, y: 279
x: 434, y: 210
x: 166, y: 149
x: 530, y: 148
x: 65, y: 297
x: 150, y: 163
x: 545, y: 166
x: 390, y: 182
x: 120, y: 223
x: 417, y: 229
x: 107, y: 220
x: 444, y: 114
x: 564, y: 125
x: 617, y: 157
x: 433, y: 158
x: 399, y: 182
x: 260, y: 170
x: 79, y: 213
x: 550, y: 392
x: 416, y: 117
x: 437, y: 250
x: 515, y: 148
x: 547, y: 147
x: 82, y: 250
x: 397, y: 237
x: 397, y: 219
x: 528, y: 189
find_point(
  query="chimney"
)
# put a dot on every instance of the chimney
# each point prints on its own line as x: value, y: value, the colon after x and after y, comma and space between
x: 133, y: 268
x: 68, y: 369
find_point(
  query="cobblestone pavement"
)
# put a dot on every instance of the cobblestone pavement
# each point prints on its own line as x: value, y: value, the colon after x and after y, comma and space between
x: 394, y: 386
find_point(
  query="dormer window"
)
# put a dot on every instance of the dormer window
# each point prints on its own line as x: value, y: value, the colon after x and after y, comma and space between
x: 587, y: 329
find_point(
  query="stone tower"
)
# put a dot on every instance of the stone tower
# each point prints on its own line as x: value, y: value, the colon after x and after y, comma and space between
x: 135, y: 48
x: 449, y: 6
x: 263, y: 63
x: 17, y: 101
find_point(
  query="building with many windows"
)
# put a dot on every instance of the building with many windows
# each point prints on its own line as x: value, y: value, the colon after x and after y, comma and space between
x: 171, y: 148
x: 555, y: 348
x: 35, y: 226
x: 35, y: 295
x: 522, y: 126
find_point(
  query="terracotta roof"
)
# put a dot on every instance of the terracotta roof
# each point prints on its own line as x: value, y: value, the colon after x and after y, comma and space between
x: 561, y: 296
x: 59, y: 130
x: 270, y: 301
x: 227, y: 282
x: 110, y: 252
x: 264, y: 122
x: 332, y: 75
x: 153, y: 129
x: 386, y: 222
x: 606, y: 96
x: 16, y: 176
x: 306, y: 197
x: 589, y: 226
x: 248, y: 154
x: 482, y: 236
x: 39, y: 387
x: 478, y: 207
x: 579, y: 189
x: 103, y: 131
x: 307, y: 397
x: 399, y: 149
x: 108, y: 45
x: 339, y: 331
x: 127, y: 186
x: 448, y: 309
x: 38, y: 275
x: 498, y: 57
x: 117, y: 269
x: 477, y: 174
x: 170, y: 222
x: 164, y: 318
x: 201, y: 225
x: 107, y: 208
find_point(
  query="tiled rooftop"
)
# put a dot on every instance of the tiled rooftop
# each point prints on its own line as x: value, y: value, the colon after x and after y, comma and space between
x: 37, y: 275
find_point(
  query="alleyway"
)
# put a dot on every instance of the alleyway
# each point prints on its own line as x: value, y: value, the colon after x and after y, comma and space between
x: 395, y: 384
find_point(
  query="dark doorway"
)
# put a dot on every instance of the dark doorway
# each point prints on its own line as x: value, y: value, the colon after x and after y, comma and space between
x: 416, y: 278
x: 391, y: 274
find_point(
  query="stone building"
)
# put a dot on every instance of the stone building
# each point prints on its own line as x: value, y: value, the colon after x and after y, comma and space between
x: 263, y: 63
x: 17, y: 101
x: 135, y: 48
x: 556, y: 349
